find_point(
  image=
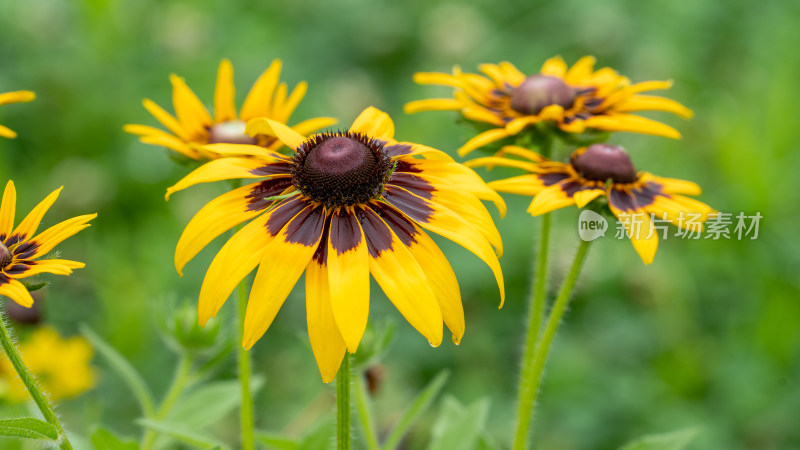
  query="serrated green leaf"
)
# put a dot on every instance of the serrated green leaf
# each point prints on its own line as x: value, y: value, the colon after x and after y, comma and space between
x: 419, y: 406
x: 28, y: 428
x: 276, y: 441
x: 675, y: 440
x: 124, y: 369
x: 183, y: 434
x: 207, y: 404
x: 103, y: 439
x: 459, y: 427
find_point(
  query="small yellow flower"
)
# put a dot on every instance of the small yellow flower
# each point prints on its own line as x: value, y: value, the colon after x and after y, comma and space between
x: 194, y: 126
x: 602, y: 170
x: 576, y: 99
x: 21, y: 247
x: 14, y: 97
x: 343, y: 206
x: 61, y: 366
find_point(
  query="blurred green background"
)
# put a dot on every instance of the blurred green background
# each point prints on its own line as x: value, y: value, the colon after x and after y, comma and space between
x: 707, y: 336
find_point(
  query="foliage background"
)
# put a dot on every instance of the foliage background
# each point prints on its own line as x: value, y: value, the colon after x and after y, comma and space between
x: 706, y: 336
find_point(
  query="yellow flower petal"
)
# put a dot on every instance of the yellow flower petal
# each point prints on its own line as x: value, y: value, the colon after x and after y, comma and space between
x: 529, y: 184
x: 374, y: 123
x: 259, y: 99
x: 582, y: 198
x: 485, y: 138
x: 433, y: 104
x: 326, y: 341
x: 653, y: 103
x: 225, y: 93
x: 17, y: 97
x: 31, y: 222
x: 219, y: 169
x: 190, y: 110
x: 54, y: 235
x: 8, y: 209
x: 549, y: 199
x: 554, y: 67
x: 166, y: 119
x: 348, y: 277
x: 291, y: 103
x: 629, y: 122
x: 16, y: 291
x: 310, y: 126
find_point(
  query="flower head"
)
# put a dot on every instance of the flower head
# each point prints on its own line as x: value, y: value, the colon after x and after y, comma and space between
x: 14, y: 97
x: 194, y: 126
x: 61, y: 365
x: 575, y: 99
x: 603, y: 171
x: 345, y: 205
x: 21, y: 247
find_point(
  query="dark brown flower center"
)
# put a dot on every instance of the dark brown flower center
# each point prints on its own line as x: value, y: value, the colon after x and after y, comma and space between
x: 230, y: 132
x: 539, y: 91
x: 604, y: 162
x: 5, y: 255
x: 340, y: 169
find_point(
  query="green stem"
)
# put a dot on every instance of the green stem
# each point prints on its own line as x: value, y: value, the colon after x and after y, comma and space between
x: 248, y: 435
x: 179, y: 381
x: 532, y: 383
x: 343, y: 405
x: 537, y: 301
x: 365, y: 412
x: 31, y: 384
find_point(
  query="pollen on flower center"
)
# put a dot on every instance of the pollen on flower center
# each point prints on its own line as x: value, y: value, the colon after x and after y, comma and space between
x: 5, y: 255
x: 341, y: 169
x: 604, y: 162
x: 539, y: 91
x: 230, y: 132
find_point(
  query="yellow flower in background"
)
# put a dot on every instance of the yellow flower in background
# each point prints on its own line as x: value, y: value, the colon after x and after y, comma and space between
x: 21, y: 247
x: 60, y: 365
x: 194, y: 126
x: 603, y: 170
x: 14, y: 97
x: 576, y: 99
x: 345, y: 205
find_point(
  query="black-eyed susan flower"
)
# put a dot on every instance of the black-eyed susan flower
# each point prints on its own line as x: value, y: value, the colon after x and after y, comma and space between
x: 603, y: 170
x: 345, y: 205
x: 575, y: 99
x: 14, y: 97
x: 21, y: 248
x: 60, y: 364
x: 193, y: 126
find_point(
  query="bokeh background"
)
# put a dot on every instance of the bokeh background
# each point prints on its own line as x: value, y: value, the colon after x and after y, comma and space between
x: 706, y: 336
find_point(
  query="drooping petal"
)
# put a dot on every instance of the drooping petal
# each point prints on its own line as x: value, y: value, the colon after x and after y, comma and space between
x: 374, y: 123
x: 348, y: 277
x: 583, y: 197
x: 401, y: 278
x: 237, y: 258
x: 441, y: 220
x: 259, y: 98
x: 216, y: 217
x: 549, y: 200
x: 8, y: 209
x: 30, y: 223
x: 225, y: 93
x: 16, y: 291
x: 640, y: 231
x: 326, y: 341
x: 284, y: 260
x: 529, y: 184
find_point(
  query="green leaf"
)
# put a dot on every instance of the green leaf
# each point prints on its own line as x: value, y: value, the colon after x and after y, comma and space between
x: 320, y: 436
x: 675, y: 440
x: 183, y: 434
x: 276, y: 440
x: 419, y: 406
x: 459, y: 427
x: 209, y: 403
x: 103, y: 439
x: 124, y: 369
x: 28, y: 428
x: 31, y: 286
